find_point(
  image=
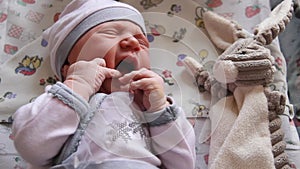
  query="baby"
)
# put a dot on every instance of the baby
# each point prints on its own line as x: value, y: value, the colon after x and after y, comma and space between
x: 109, y: 110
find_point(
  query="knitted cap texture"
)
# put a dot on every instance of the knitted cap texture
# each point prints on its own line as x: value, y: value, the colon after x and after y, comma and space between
x: 77, y: 18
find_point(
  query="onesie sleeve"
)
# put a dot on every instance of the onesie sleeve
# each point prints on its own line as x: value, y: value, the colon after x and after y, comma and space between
x: 41, y: 128
x: 173, y: 140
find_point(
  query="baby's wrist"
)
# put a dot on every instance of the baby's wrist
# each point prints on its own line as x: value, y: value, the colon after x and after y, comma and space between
x: 79, y: 88
x: 163, y: 116
x: 159, y: 105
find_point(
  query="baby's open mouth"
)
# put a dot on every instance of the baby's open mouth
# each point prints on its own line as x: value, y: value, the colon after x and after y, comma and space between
x: 125, y: 67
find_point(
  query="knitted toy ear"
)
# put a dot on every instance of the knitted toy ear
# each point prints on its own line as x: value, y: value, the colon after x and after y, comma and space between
x: 268, y: 30
x: 203, y: 78
x: 223, y: 32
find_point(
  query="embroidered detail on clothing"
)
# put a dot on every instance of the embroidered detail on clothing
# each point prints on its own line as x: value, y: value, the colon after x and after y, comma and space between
x: 127, y: 129
x: 122, y: 130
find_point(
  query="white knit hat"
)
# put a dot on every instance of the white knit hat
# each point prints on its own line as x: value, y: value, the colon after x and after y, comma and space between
x: 77, y: 18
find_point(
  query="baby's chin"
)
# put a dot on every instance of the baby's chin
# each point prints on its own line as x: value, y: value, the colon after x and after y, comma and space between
x: 112, y: 85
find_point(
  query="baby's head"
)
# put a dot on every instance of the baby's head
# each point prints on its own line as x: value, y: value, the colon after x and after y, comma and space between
x: 71, y: 36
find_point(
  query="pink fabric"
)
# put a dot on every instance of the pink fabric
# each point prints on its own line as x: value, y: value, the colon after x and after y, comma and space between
x: 31, y: 122
x: 51, y: 122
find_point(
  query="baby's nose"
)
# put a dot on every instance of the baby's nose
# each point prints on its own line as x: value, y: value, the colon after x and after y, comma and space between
x: 131, y: 43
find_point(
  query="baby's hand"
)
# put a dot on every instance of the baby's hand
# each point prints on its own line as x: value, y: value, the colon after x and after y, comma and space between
x: 86, y: 77
x: 148, y: 89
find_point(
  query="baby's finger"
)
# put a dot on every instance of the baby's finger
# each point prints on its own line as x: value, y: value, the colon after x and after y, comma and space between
x: 125, y: 79
x: 108, y: 72
x: 142, y: 84
x: 134, y: 75
x: 125, y: 87
x: 100, y: 62
x: 146, y: 84
x: 144, y: 74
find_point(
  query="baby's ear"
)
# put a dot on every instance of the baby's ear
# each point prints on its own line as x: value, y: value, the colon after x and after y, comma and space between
x: 64, y: 70
x: 222, y: 32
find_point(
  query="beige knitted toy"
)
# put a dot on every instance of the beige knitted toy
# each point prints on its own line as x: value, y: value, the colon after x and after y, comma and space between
x: 276, y: 105
x: 247, y: 62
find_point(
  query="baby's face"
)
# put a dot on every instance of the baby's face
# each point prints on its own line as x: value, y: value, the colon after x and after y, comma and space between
x: 122, y: 44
